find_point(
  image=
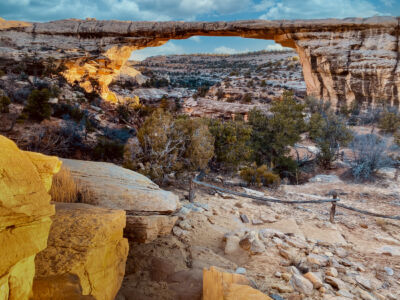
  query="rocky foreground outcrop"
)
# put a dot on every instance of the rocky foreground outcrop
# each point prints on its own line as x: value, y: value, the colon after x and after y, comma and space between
x: 227, y: 286
x: 148, y: 208
x: 342, y: 59
x: 85, y: 256
x: 25, y: 212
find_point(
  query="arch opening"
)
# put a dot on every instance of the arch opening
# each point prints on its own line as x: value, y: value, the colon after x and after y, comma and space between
x: 210, y: 72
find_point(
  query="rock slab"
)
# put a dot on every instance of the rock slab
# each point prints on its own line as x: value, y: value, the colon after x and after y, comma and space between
x: 119, y: 188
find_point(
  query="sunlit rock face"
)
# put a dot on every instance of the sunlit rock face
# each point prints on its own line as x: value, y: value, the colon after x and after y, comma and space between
x: 342, y: 60
x: 85, y: 256
x: 25, y: 211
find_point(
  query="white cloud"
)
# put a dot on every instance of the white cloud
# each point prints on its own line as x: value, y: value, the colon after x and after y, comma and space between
x: 276, y: 47
x: 195, y: 38
x: 155, y: 10
x: 388, y: 3
x: 312, y: 9
x: 166, y: 49
x: 263, y: 5
x: 225, y: 50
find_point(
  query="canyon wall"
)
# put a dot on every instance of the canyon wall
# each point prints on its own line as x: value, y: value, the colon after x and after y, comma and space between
x: 343, y: 59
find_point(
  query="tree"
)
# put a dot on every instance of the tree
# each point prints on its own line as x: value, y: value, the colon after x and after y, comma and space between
x: 4, y: 104
x: 38, y: 106
x: 169, y: 145
x: 231, y: 142
x: 272, y: 135
x: 329, y: 132
x: 389, y: 122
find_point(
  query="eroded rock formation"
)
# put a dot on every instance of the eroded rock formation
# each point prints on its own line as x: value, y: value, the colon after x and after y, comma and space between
x: 86, y: 254
x: 25, y: 211
x: 342, y: 60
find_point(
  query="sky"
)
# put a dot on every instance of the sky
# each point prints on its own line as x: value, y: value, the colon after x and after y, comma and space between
x: 196, y: 10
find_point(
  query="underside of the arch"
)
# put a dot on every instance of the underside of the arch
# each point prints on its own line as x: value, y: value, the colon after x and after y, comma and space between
x: 342, y: 60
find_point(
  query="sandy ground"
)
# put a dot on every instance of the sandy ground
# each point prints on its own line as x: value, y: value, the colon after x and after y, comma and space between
x: 181, y: 257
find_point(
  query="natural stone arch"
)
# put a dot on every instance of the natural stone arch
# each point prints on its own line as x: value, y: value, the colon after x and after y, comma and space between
x: 342, y: 60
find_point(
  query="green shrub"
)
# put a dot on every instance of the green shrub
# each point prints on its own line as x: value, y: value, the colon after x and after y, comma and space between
x: 38, y: 106
x: 317, y: 106
x: 107, y: 149
x: 396, y: 137
x: 370, y: 153
x: 167, y: 144
x: 260, y: 176
x: 389, y: 122
x: 123, y: 113
x: 272, y: 135
x: 315, y: 126
x: 246, y: 98
x: 330, y: 133
x: 231, y: 142
x: 4, y: 104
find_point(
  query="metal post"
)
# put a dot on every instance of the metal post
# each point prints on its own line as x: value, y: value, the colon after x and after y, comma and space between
x: 333, y: 208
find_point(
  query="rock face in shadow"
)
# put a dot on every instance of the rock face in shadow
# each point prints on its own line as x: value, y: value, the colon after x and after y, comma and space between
x: 25, y: 212
x: 86, y: 254
x: 343, y: 59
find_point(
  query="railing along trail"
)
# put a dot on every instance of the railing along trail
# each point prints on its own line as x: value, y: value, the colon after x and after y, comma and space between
x: 334, y: 200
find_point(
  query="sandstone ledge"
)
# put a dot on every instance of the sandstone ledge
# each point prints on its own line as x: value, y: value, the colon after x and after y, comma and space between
x: 119, y: 188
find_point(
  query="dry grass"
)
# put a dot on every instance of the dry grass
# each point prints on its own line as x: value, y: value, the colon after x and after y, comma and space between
x: 67, y: 189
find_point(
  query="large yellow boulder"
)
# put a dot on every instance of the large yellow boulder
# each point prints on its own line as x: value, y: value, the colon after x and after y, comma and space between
x: 25, y: 212
x: 86, y: 254
x: 228, y: 286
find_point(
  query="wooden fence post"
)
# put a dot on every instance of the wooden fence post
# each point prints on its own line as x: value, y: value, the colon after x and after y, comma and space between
x: 192, y: 192
x: 333, y: 208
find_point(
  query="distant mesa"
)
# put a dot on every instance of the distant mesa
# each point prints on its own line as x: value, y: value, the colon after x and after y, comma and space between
x: 342, y: 59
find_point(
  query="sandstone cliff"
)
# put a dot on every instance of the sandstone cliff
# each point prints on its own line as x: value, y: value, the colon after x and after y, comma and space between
x: 342, y: 60
x: 25, y: 212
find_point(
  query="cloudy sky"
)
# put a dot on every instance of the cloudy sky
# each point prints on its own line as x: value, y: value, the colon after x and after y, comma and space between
x: 196, y: 10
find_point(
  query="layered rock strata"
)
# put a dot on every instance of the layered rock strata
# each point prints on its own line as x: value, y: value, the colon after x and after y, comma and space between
x: 25, y: 211
x: 342, y: 59
x: 148, y: 208
x: 86, y: 254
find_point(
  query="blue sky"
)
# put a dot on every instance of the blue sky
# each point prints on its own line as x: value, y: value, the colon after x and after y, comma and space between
x: 196, y: 10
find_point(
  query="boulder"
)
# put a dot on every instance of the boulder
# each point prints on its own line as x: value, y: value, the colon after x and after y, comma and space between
x: 321, y: 178
x: 85, y: 256
x: 228, y: 286
x: 25, y: 212
x: 301, y: 284
x: 144, y: 229
x: 119, y: 188
x: 147, y: 206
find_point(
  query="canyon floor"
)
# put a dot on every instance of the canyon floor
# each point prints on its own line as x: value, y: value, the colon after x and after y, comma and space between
x: 358, y: 257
